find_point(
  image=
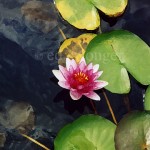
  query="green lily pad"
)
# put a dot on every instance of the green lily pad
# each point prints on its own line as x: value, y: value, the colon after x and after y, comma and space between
x: 84, y: 15
x: 118, y: 52
x: 89, y: 132
x: 133, y: 132
x: 147, y: 99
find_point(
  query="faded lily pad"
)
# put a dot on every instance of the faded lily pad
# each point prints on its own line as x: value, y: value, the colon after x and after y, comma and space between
x: 118, y: 52
x: 89, y: 132
x: 74, y: 48
x: 133, y: 132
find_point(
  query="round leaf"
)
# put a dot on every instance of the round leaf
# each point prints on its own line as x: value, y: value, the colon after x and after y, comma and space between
x: 83, y: 14
x: 118, y: 52
x: 133, y: 53
x: 100, y: 51
x: 74, y: 48
x: 147, y: 99
x: 80, y: 14
x: 112, y: 8
x: 89, y: 132
x: 133, y: 132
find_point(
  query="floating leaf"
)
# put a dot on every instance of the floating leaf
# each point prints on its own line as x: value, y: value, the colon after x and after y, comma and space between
x: 84, y: 15
x: 89, y: 132
x: 118, y: 52
x: 74, y: 48
x: 80, y: 14
x: 147, y: 99
x: 133, y: 132
x: 112, y: 8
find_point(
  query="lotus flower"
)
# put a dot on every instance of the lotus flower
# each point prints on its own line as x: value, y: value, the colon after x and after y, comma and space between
x: 80, y: 79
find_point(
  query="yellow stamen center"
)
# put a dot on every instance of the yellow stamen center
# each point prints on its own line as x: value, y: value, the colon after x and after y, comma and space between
x: 81, y: 77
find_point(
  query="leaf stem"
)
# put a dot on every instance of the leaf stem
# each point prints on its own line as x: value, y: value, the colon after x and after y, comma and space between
x: 36, y: 142
x: 93, y: 106
x: 62, y: 33
x: 109, y: 106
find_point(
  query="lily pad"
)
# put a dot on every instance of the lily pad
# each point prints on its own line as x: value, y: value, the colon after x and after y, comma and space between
x: 112, y: 8
x: 89, y: 132
x: 147, y: 99
x: 74, y: 48
x: 133, y: 132
x: 84, y: 14
x: 118, y: 52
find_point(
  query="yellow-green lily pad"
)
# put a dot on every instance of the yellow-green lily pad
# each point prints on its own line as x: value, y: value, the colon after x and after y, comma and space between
x: 74, y: 48
x: 112, y: 8
x: 81, y: 14
x: 84, y: 15
x: 89, y: 132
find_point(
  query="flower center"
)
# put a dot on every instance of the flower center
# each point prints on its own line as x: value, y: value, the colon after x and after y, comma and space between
x: 81, y: 77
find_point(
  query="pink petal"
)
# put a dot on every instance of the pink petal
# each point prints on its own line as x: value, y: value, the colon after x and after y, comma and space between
x: 97, y: 75
x: 71, y: 70
x: 90, y: 72
x: 75, y: 95
x: 92, y: 95
x: 90, y: 66
x: 95, y: 68
x: 58, y: 75
x: 82, y: 60
x: 64, y: 84
x: 73, y: 64
x: 64, y: 71
x: 82, y: 66
x: 68, y: 63
x: 100, y: 84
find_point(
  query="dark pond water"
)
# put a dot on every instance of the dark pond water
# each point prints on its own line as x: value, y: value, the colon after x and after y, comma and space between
x: 25, y: 73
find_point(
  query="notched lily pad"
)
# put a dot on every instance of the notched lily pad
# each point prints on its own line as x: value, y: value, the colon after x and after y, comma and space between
x: 118, y: 52
x: 112, y: 8
x: 80, y: 14
x: 83, y: 14
x: 89, y: 132
x: 133, y: 132
x: 74, y: 48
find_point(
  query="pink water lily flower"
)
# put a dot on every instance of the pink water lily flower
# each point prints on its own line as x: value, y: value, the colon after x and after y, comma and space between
x: 80, y: 79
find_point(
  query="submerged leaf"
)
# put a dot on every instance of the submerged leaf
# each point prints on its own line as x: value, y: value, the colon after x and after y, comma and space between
x: 89, y: 132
